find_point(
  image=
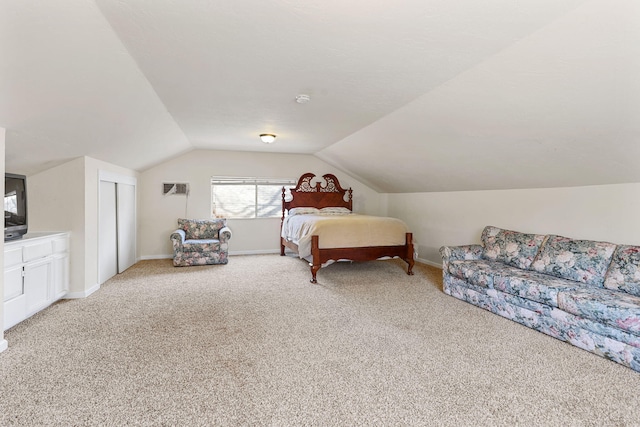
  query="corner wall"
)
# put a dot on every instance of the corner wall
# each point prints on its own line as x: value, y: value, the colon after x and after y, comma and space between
x: 603, y: 212
x: 158, y: 213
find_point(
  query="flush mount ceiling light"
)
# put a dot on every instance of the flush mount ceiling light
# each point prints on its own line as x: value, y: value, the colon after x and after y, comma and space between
x: 267, y: 138
x: 302, y: 98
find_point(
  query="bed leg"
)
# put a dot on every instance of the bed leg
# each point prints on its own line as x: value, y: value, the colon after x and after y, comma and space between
x: 315, y: 253
x: 410, y: 269
x: 409, y: 259
x: 314, y: 270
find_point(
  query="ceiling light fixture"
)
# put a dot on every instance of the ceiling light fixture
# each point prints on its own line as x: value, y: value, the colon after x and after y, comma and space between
x: 302, y: 98
x: 267, y: 138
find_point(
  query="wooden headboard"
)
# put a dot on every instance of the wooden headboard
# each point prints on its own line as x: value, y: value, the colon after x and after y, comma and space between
x: 317, y: 196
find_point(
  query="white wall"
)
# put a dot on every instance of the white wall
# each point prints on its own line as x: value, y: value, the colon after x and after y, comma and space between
x: 56, y: 203
x: 65, y: 198
x: 3, y: 342
x: 158, y: 213
x: 604, y: 212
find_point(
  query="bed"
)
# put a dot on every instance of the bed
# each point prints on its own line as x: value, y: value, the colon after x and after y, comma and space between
x: 319, y: 225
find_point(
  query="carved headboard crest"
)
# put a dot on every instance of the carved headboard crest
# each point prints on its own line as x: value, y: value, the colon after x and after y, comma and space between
x: 332, y: 184
x: 331, y: 194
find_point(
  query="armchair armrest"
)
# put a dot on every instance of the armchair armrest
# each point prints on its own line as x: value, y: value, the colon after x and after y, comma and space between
x: 452, y: 253
x: 224, y: 234
x: 178, y: 237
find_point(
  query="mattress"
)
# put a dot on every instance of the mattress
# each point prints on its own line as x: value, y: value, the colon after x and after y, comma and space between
x: 342, y: 231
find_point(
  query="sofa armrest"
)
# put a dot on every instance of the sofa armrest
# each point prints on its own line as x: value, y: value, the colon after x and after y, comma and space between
x: 452, y: 253
x: 224, y: 234
x: 178, y: 237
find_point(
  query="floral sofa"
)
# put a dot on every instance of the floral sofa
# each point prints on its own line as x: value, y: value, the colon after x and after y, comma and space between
x: 200, y: 242
x: 584, y: 292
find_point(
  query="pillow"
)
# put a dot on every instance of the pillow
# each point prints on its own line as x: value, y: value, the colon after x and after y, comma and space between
x: 583, y: 261
x: 624, y: 271
x: 303, y: 211
x: 510, y: 247
x: 335, y: 210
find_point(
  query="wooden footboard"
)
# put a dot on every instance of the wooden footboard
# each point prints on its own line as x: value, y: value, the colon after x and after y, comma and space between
x: 370, y: 253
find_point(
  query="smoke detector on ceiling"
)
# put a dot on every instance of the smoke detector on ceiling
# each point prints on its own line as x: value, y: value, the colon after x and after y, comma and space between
x: 302, y: 98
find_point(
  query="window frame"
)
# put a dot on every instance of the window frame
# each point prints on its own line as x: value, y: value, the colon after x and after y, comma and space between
x: 256, y: 182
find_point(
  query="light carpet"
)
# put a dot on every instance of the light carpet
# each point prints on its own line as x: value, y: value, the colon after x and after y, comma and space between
x: 254, y: 343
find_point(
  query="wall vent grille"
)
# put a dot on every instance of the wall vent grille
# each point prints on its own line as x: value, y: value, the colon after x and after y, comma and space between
x: 179, y: 188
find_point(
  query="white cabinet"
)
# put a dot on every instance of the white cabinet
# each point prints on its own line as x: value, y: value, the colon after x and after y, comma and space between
x: 37, y: 284
x: 15, y: 301
x: 36, y: 274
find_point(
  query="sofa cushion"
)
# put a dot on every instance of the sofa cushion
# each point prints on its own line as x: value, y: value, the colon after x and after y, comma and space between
x: 533, y: 286
x: 201, y: 246
x: 479, y: 272
x: 584, y: 261
x: 624, y: 271
x: 184, y: 259
x: 617, y: 309
x: 196, y: 229
x: 510, y: 247
x: 572, y: 321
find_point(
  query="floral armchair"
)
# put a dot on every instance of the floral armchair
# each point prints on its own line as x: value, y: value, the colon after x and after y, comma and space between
x: 200, y: 242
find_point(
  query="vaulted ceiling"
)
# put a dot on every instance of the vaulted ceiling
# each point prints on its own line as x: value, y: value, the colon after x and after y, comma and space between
x: 407, y: 96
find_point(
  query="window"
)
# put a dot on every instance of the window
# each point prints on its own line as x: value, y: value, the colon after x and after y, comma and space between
x: 248, y: 197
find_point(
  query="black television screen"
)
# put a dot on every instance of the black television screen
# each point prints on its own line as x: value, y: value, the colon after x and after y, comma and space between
x: 15, y: 206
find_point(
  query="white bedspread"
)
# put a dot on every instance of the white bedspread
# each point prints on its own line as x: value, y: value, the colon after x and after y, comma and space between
x: 343, y: 231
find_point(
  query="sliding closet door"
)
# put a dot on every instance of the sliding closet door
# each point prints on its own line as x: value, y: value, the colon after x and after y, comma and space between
x: 126, y: 221
x: 107, y: 233
x: 116, y: 224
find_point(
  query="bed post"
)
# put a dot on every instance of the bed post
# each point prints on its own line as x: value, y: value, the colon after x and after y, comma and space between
x: 409, y: 255
x: 281, y: 222
x: 315, y: 253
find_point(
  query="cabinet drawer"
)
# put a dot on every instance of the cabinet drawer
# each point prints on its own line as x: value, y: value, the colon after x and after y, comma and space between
x: 12, y: 256
x: 36, y: 250
x: 60, y: 245
x: 12, y: 283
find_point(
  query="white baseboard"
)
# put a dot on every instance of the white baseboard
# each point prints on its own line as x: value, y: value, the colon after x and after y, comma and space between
x: 84, y: 294
x: 431, y: 263
x: 148, y: 257
x: 3, y: 345
x: 231, y: 253
x: 258, y: 252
